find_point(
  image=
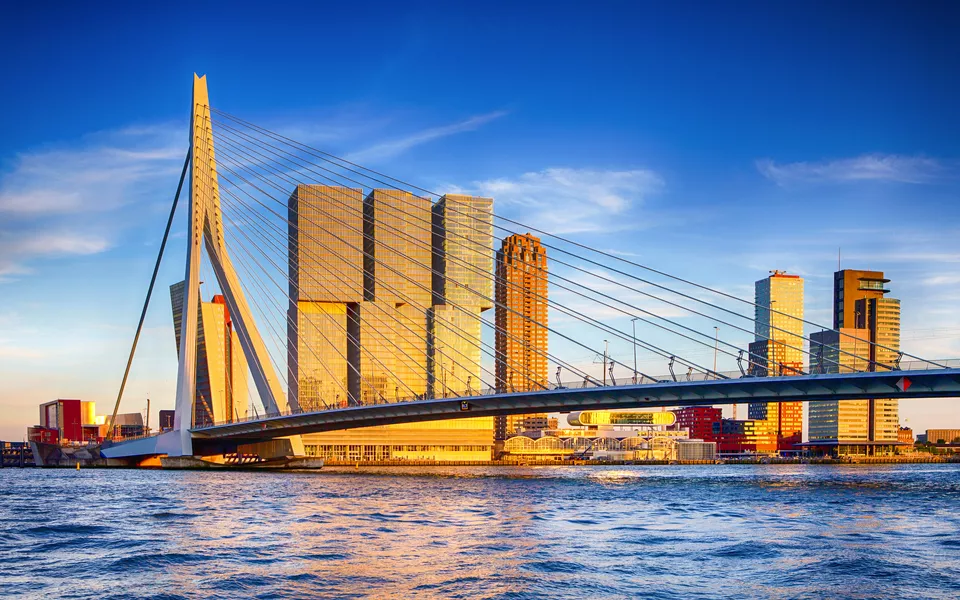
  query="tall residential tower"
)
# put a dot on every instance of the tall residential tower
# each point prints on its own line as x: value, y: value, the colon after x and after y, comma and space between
x: 521, y: 332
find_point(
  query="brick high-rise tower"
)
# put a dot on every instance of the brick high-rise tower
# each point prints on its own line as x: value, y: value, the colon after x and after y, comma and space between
x: 521, y: 319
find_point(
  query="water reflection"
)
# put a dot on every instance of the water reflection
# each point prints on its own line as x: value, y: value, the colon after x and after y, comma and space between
x: 775, y: 531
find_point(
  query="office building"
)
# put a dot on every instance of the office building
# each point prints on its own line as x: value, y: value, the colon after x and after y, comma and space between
x: 905, y: 436
x: 389, y: 333
x: 732, y: 436
x: 462, y: 237
x: 221, y: 372
x: 832, y: 422
x: 943, y: 436
x: 778, y: 351
x: 748, y: 436
x: 867, y: 339
x: 698, y: 421
x: 65, y: 421
x: 325, y: 254
x: 521, y: 326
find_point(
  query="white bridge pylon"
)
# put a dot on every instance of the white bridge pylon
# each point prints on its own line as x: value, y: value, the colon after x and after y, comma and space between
x: 206, y: 230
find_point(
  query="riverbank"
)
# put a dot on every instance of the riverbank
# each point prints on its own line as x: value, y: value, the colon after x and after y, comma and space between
x: 872, y: 460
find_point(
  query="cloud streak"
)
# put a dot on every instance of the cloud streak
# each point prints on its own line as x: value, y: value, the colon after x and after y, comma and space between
x: 391, y: 148
x: 893, y: 168
x: 565, y: 200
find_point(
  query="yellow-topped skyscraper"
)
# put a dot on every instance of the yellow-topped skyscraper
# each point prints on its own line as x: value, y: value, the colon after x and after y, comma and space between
x: 778, y: 351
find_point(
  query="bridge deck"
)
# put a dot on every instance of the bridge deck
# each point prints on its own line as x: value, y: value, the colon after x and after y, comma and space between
x: 849, y: 386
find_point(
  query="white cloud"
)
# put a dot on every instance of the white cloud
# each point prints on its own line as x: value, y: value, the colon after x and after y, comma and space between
x: 394, y: 147
x: 99, y: 174
x: 60, y: 201
x: 868, y: 167
x: 16, y: 249
x: 564, y: 200
x: 942, y: 280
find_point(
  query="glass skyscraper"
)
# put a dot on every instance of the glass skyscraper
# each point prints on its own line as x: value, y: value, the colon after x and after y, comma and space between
x: 382, y: 321
x: 778, y: 351
x: 868, y: 340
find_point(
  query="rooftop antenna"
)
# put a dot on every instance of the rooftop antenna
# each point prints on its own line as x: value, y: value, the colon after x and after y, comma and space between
x: 838, y: 259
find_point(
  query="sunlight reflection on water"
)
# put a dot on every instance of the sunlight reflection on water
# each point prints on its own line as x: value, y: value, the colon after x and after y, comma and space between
x: 568, y: 532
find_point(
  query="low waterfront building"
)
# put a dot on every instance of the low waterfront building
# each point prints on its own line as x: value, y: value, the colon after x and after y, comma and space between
x: 125, y: 425
x: 604, y: 435
x: 696, y: 450
x: 905, y: 436
x: 65, y: 421
x: 748, y: 436
x: 585, y: 444
x: 732, y: 436
x: 943, y: 436
x: 449, y: 440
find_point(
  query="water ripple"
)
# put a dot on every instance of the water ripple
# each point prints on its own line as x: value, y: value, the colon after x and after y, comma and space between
x: 777, y: 531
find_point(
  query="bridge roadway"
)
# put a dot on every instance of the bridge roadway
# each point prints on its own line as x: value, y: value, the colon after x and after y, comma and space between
x: 939, y: 383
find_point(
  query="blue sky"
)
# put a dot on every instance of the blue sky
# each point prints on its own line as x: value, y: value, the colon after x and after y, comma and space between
x: 715, y: 141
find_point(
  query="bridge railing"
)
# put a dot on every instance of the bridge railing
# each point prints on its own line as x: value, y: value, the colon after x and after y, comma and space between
x: 579, y: 384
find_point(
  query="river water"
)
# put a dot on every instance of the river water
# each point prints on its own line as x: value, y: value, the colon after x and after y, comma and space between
x: 804, y: 531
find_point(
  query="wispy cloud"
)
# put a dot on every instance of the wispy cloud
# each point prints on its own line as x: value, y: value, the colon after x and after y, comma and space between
x: 868, y: 167
x: 564, y: 200
x: 397, y: 146
x: 18, y: 249
x: 60, y: 201
x: 95, y: 175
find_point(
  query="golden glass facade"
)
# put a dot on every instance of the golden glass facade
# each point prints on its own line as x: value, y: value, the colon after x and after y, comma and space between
x: 398, y: 285
x: 859, y: 300
x: 453, y: 340
x: 521, y: 318
x: 463, y: 257
x: 326, y: 243
x: 321, y: 363
x: 397, y: 242
x: 778, y: 351
x: 378, y: 331
x: 325, y: 257
x: 462, y: 288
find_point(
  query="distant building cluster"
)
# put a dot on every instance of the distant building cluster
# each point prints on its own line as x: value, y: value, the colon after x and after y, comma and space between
x: 866, y: 337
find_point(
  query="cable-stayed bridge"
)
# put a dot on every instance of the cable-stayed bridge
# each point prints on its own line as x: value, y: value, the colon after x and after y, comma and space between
x: 355, y: 299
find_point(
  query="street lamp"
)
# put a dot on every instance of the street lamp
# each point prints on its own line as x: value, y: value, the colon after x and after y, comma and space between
x: 633, y: 322
x: 716, y: 346
x: 606, y: 349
